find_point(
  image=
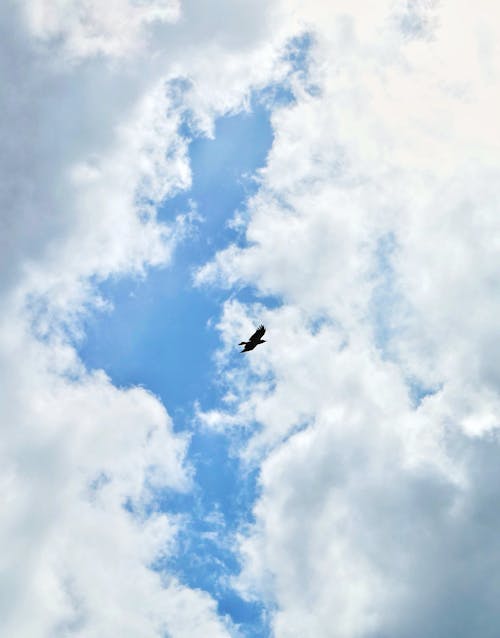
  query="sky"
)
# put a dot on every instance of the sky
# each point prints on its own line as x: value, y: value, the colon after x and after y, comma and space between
x: 177, y: 172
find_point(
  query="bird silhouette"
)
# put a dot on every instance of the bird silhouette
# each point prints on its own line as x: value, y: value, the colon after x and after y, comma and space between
x: 254, y: 340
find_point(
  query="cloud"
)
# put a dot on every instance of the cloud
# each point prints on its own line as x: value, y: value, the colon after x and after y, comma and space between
x: 87, y: 28
x: 374, y: 403
x: 93, y: 101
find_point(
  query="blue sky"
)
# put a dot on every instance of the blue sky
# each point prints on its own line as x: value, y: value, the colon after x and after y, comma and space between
x: 339, y: 481
x: 160, y: 334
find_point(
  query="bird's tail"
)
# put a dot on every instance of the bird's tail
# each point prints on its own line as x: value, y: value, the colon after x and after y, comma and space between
x: 243, y: 343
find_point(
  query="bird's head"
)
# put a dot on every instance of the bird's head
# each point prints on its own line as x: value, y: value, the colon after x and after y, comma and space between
x: 263, y: 341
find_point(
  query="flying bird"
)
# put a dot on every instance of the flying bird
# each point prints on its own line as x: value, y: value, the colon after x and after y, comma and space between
x: 255, y: 339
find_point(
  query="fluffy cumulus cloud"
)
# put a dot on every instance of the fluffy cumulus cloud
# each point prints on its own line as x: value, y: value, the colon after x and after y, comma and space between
x: 375, y: 403
x: 93, y: 98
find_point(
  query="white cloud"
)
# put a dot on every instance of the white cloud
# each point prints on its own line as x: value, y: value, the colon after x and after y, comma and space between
x: 86, y: 27
x: 376, y: 222
x: 91, y: 147
x: 74, y: 451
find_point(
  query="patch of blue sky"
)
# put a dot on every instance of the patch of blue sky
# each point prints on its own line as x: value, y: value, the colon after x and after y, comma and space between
x: 418, y: 391
x: 160, y: 335
x: 214, y: 511
x: 387, y: 303
x: 298, y: 56
x: 299, y: 53
x: 385, y: 297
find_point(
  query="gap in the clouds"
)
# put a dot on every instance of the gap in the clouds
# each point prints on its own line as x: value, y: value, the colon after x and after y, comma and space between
x: 298, y: 57
x: 387, y: 303
x: 215, y: 511
x: 161, y: 335
x: 384, y: 298
x: 419, y: 391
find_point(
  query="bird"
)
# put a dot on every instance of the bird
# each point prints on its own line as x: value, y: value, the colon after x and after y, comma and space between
x: 255, y: 339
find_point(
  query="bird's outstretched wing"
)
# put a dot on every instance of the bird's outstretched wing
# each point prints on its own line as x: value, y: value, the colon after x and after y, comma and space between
x: 258, y: 334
